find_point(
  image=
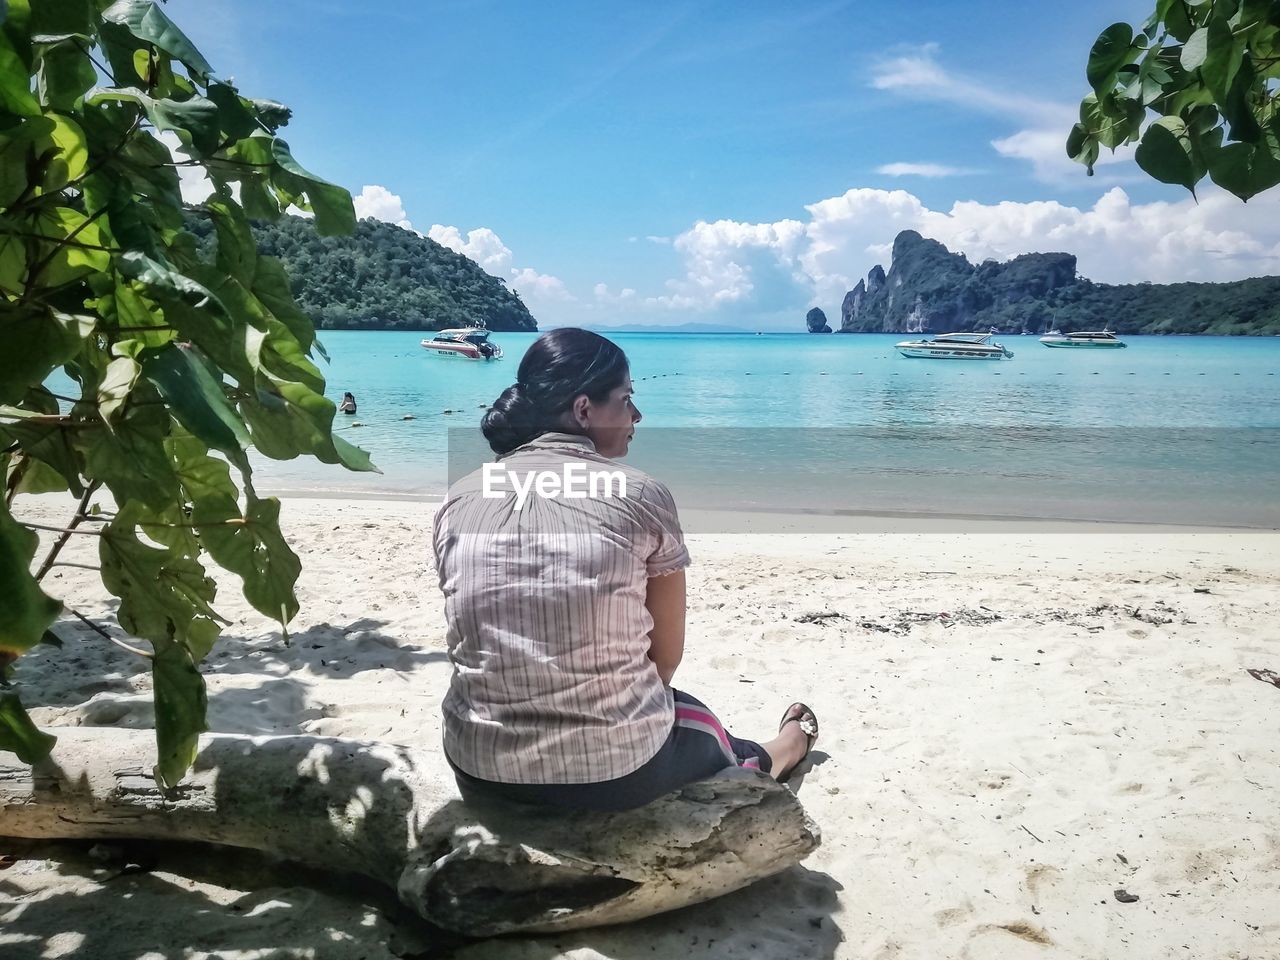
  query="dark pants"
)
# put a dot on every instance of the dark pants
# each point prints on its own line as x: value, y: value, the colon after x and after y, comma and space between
x: 697, y: 747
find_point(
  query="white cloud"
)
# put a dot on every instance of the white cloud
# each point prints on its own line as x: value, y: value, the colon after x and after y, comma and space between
x: 540, y: 287
x: 487, y: 249
x: 381, y: 204
x: 660, y: 240
x: 765, y: 267
x: 922, y: 170
x: 1042, y: 140
x: 917, y: 73
x: 605, y: 296
x: 729, y: 262
x: 481, y: 245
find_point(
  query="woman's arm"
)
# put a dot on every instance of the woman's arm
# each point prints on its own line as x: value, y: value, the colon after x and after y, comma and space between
x: 665, y: 600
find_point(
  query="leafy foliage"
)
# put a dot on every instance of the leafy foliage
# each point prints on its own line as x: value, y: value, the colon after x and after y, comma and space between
x: 928, y: 288
x: 181, y: 357
x: 382, y: 277
x: 1208, y: 69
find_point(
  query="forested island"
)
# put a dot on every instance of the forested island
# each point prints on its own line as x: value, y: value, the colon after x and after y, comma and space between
x: 382, y: 277
x: 929, y: 289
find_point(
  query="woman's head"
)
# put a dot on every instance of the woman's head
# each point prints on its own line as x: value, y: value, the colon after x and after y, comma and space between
x: 570, y: 381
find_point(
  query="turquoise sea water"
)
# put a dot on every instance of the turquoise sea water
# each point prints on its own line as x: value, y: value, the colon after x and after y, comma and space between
x: 1172, y: 429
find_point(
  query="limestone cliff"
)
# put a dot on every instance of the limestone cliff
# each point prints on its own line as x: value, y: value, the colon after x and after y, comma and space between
x: 929, y: 289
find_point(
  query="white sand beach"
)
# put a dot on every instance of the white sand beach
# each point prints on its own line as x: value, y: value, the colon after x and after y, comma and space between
x: 1015, y: 724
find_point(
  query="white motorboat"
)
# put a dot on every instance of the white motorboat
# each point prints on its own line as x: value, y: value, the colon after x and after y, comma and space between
x: 956, y: 346
x: 1083, y: 339
x: 466, y: 343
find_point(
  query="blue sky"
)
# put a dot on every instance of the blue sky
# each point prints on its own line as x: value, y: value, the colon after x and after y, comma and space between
x: 718, y: 162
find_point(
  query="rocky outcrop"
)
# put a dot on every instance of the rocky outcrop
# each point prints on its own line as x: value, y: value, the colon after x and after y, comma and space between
x: 816, y: 321
x: 929, y: 289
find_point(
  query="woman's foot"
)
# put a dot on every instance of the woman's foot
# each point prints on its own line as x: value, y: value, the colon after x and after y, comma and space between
x: 797, y: 734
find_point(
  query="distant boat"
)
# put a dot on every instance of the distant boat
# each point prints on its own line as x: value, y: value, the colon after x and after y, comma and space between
x: 956, y: 346
x: 1083, y: 339
x: 466, y: 343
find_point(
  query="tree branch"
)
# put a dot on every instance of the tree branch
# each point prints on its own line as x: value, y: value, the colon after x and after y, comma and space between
x: 102, y: 633
x: 61, y: 542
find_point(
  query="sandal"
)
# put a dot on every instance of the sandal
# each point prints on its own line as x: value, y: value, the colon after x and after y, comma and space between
x: 808, y: 721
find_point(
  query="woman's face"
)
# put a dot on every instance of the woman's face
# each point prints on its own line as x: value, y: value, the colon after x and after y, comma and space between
x: 611, y: 424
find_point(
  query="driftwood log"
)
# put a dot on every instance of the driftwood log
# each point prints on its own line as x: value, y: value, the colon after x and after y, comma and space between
x: 394, y: 815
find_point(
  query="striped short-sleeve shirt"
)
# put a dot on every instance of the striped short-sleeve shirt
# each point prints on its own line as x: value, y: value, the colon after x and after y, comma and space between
x: 548, y: 631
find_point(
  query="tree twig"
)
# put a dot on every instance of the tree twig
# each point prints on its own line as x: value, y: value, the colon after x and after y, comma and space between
x: 61, y: 542
x: 102, y: 633
x: 67, y: 530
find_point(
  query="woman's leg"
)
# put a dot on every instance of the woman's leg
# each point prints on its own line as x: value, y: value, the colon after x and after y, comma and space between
x: 778, y: 757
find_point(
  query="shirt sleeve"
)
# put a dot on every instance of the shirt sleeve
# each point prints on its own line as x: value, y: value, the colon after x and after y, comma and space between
x: 667, y: 552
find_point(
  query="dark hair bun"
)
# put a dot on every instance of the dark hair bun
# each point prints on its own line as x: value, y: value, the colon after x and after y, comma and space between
x: 512, y: 420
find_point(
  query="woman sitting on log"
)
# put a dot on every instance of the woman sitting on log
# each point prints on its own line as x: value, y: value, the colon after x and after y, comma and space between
x: 565, y: 602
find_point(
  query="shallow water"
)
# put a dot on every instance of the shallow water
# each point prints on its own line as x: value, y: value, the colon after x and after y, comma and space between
x: 1172, y: 429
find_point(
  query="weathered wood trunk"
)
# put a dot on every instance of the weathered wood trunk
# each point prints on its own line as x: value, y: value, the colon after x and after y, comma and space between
x: 394, y: 815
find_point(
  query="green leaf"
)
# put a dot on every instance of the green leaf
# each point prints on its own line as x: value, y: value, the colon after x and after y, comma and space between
x: 1081, y: 147
x: 148, y: 23
x: 47, y: 447
x: 1223, y: 53
x: 181, y: 706
x: 1110, y: 52
x: 163, y: 280
x: 1176, y: 19
x: 18, y: 734
x: 335, y: 213
x: 197, y: 400
x: 283, y: 357
x: 39, y: 340
x: 72, y: 158
x: 61, y: 19
x: 202, y: 477
x: 1237, y: 104
x: 134, y: 312
x: 34, y: 476
x: 237, y: 253
x: 74, y: 247
x: 194, y: 120
x: 1164, y: 155
x: 131, y: 459
x: 235, y: 117
x: 65, y: 75
x: 26, y: 611
x: 271, y: 287
x: 147, y: 166
x: 117, y: 383
x: 160, y: 589
x: 15, y: 92
x: 1244, y: 169
x: 253, y: 548
x: 16, y: 155
x: 1195, y: 50
x: 351, y: 457
x: 288, y: 419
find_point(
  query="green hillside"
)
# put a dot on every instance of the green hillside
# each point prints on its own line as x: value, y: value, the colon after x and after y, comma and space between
x: 382, y: 277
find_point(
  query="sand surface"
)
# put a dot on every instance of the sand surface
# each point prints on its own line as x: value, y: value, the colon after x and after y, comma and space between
x: 1016, y: 723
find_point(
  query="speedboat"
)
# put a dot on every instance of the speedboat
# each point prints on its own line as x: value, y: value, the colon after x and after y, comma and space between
x: 1083, y: 339
x: 956, y: 346
x: 467, y: 343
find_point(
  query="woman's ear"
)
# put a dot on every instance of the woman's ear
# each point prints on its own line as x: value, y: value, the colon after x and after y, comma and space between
x: 580, y: 410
